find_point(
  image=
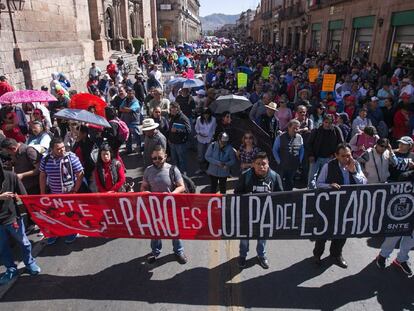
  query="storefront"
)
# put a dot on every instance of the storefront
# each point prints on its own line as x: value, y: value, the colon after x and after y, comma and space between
x: 362, y: 36
x: 316, y: 36
x: 402, y: 40
x: 335, y: 30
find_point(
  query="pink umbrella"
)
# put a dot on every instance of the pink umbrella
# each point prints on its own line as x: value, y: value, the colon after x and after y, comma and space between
x: 26, y: 96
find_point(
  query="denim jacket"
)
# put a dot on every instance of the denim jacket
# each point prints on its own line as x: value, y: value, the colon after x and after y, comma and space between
x: 215, y: 157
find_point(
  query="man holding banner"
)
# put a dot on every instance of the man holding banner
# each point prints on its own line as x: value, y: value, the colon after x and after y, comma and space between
x: 260, y: 178
x: 163, y: 177
x: 343, y: 170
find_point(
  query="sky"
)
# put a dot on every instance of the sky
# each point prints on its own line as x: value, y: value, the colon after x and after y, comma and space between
x: 226, y: 6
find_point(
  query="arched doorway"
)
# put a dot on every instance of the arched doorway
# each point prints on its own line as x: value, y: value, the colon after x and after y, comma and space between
x: 166, y: 32
x: 109, y: 27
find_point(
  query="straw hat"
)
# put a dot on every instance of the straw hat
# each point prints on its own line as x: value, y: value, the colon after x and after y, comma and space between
x: 149, y: 124
x: 272, y: 106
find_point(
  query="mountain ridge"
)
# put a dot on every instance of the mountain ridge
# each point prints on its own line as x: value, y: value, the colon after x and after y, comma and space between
x: 217, y: 20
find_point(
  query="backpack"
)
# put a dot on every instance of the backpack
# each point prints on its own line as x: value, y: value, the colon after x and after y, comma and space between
x: 190, y: 187
x: 123, y: 130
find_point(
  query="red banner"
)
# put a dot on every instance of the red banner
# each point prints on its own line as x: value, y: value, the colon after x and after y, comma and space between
x: 128, y: 215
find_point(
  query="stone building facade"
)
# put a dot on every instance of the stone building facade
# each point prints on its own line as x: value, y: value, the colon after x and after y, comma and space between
x: 243, y: 30
x: 257, y: 25
x: 39, y: 37
x: 178, y: 20
x: 375, y: 30
x: 269, y: 31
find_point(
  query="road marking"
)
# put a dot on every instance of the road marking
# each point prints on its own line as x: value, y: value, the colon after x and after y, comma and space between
x: 235, y: 292
x: 214, y: 287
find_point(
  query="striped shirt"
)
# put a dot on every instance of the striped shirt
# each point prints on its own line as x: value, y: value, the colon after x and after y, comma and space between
x: 53, y: 173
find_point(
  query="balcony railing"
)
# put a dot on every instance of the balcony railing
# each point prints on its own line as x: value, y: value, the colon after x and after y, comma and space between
x: 291, y: 12
x: 267, y: 15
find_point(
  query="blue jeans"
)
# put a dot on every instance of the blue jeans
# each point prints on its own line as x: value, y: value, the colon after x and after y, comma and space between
x: 134, y: 135
x: 407, y: 242
x: 179, y: 156
x: 20, y: 236
x: 314, y: 168
x: 156, y: 246
x: 260, y: 248
x: 201, y: 152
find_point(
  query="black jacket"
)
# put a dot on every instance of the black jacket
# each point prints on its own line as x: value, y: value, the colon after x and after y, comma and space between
x: 182, y: 134
x: 8, y: 208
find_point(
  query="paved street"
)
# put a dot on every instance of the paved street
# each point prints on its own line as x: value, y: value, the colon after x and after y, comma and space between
x: 99, y: 274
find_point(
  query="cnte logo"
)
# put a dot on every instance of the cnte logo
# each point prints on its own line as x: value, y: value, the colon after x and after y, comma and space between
x: 401, y: 207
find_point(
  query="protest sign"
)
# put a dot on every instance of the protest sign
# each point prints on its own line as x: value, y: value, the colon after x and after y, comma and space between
x: 313, y: 74
x: 266, y: 72
x: 328, y: 83
x: 352, y: 211
x: 241, y: 80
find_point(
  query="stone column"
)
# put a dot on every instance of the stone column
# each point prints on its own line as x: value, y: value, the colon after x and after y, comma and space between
x: 137, y: 20
x: 154, y: 23
x: 97, y: 23
x: 125, y: 21
x: 117, y: 29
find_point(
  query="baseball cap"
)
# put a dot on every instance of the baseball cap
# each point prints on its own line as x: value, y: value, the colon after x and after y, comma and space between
x: 374, y: 98
x: 406, y: 140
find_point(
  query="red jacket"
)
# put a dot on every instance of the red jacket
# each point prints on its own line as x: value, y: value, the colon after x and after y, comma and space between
x: 5, y: 88
x: 109, y: 184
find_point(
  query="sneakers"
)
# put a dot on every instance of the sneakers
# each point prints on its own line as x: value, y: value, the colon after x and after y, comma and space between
x: 181, y: 258
x: 71, y: 238
x: 380, y: 261
x: 9, y: 275
x: 51, y: 241
x: 241, y: 262
x: 404, y: 267
x: 263, y: 262
x: 33, y: 269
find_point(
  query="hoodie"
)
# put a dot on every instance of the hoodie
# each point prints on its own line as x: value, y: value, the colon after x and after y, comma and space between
x: 8, y: 208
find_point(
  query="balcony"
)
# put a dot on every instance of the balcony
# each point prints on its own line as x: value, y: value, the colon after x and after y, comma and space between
x: 267, y: 15
x: 291, y: 12
x: 319, y: 4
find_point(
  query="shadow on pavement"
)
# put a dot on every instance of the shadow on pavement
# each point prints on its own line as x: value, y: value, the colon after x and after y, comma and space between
x: 131, y: 281
x: 62, y: 249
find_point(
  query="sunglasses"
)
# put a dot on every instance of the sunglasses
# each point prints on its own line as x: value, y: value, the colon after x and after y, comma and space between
x: 157, y: 158
x: 382, y: 146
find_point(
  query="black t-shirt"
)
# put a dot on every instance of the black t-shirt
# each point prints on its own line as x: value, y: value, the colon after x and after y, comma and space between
x: 249, y: 182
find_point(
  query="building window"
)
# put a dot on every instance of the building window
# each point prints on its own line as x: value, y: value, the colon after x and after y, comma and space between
x: 362, y: 37
x: 316, y: 36
x: 335, y: 30
x: 402, y: 41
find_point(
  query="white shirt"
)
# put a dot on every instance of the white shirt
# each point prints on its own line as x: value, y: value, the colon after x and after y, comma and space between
x: 205, y: 131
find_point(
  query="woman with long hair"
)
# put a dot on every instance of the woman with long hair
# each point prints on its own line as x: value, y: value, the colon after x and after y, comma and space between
x: 109, y: 172
x: 317, y: 115
x: 247, y: 150
x: 205, y: 128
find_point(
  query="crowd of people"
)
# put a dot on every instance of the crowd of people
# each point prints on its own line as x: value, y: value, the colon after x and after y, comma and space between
x: 362, y: 132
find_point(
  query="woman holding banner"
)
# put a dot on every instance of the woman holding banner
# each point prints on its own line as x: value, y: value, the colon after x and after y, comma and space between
x: 109, y: 172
